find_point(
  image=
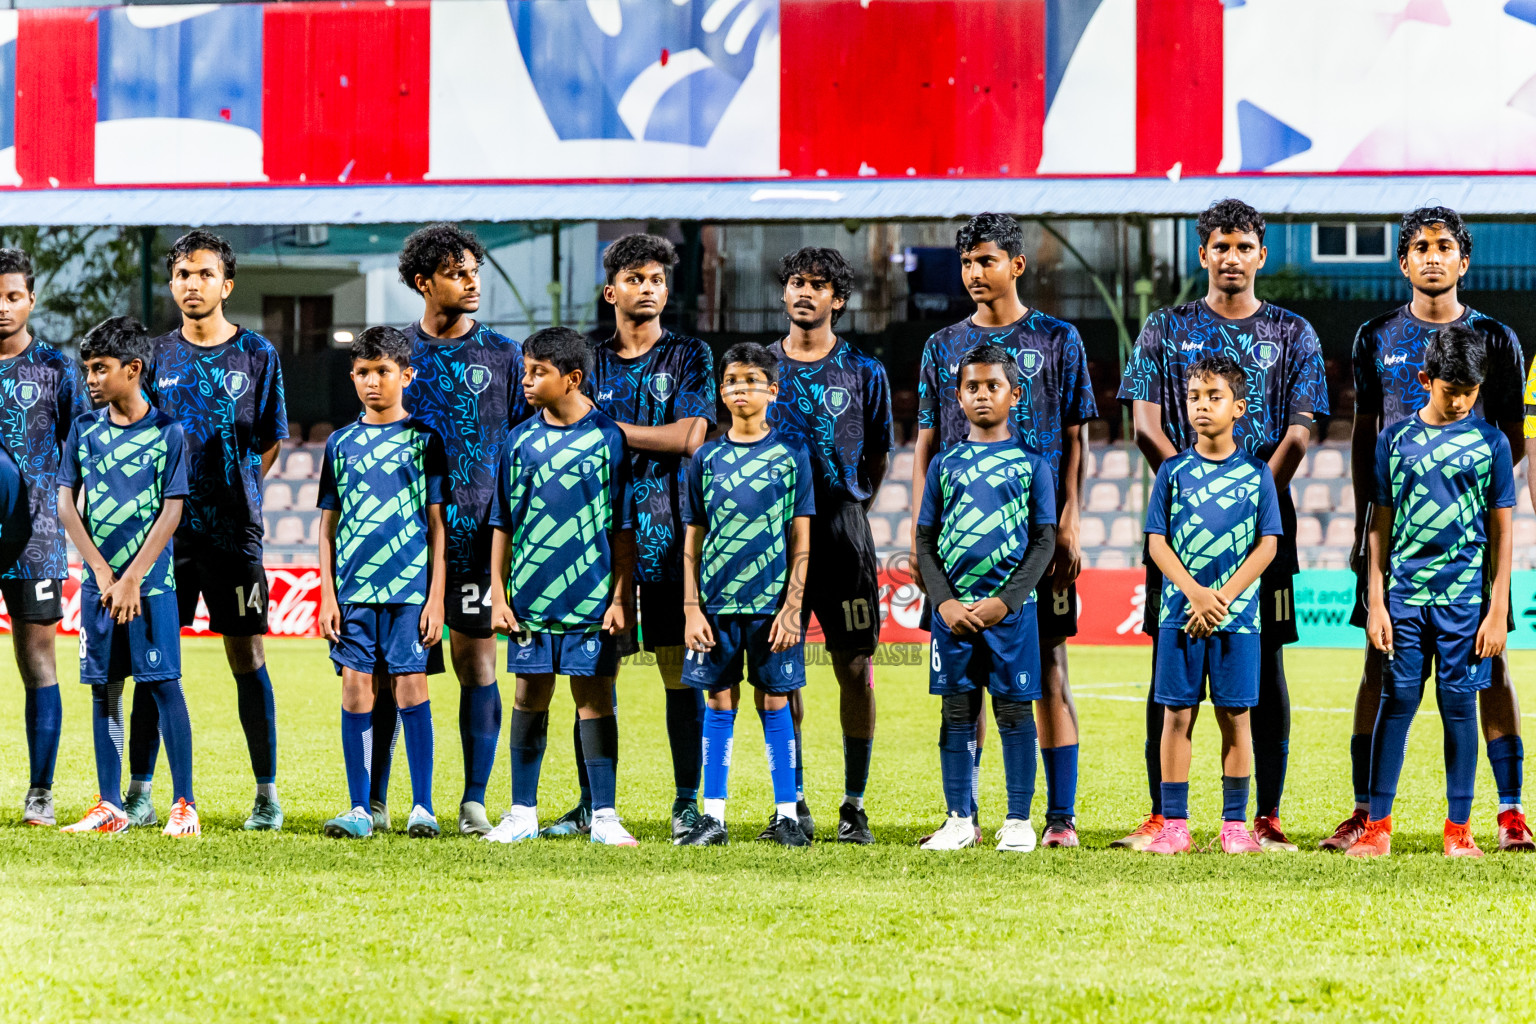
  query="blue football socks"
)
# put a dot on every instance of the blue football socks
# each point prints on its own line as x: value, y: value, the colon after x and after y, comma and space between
x: 1234, y: 797
x: 600, y: 748
x: 529, y: 735
x: 1506, y: 755
x: 176, y: 728
x: 258, y: 717
x: 356, y: 754
x: 685, y: 720
x: 1060, y: 780
x: 416, y: 724
x: 718, y: 739
x: 1174, y: 799
x: 45, y: 716
x: 781, y: 741
x: 479, y: 730
x: 107, y: 732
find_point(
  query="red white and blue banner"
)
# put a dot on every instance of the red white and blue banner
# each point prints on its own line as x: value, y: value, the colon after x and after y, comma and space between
x: 404, y: 91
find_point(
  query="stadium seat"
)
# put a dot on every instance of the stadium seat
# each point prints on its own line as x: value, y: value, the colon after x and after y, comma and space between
x: 288, y: 530
x: 276, y: 496
x: 1340, y: 532
x: 1525, y: 532
x: 880, y: 530
x: 299, y: 465
x: 1522, y: 497
x: 1309, y: 532
x: 1328, y: 558
x: 1103, y: 497
x: 295, y: 435
x: 1328, y: 464
x: 1316, y: 497
x: 312, y: 532
x: 1302, y: 467
x: 901, y: 465
x: 1339, y: 429
x: 1092, y: 532
x: 892, y: 497
x: 1125, y: 532
x: 1097, y: 430
x: 1134, y: 499
x: 307, y: 495
x: 1112, y: 558
x: 1114, y: 464
x: 319, y: 432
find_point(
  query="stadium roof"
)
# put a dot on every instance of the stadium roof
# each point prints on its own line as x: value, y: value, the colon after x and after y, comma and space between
x: 1483, y: 196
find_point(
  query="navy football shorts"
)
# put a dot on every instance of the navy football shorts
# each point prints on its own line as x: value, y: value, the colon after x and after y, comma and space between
x: 380, y: 637
x: 532, y: 653
x: 1004, y: 659
x: 1444, y: 634
x: 744, y: 639
x: 148, y: 648
x: 1230, y: 661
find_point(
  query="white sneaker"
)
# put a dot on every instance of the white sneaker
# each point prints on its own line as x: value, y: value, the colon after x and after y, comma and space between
x: 1017, y: 836
x: 516, y: 825
x: 610, y: 831
x: 955, y: 834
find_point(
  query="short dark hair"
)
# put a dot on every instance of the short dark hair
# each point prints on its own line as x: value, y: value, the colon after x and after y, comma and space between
x: 1222, y: 366
x: 998, y: 228
x: 991, y: 355
x: 750, y: 353
x: 1457, y: 355
x: 383, y: 342
x: 562, y: 347
x: 1426, y: 216
x: 820, y: 261
x: 1230, y: 215
x: 201, y: 241
x: 16, y: 261
x: 637, y: 250
x: 118, y: 337
x: 436, y: 245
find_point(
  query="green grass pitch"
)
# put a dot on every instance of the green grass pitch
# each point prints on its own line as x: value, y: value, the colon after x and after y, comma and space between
x: 299, y: 927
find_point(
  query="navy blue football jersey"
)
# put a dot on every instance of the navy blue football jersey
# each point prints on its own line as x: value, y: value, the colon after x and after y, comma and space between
x: 41, y: 394
x: 1053, y: 375
x: 469, y: 392
x: 1277, y: 350
x: 1389, y: 353
x: 229, y: 401
x: 126, y: 473
x: 839, y: 408
x: 673, y: 381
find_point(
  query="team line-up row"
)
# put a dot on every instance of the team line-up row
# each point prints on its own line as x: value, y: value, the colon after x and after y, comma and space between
x: 580, y: 497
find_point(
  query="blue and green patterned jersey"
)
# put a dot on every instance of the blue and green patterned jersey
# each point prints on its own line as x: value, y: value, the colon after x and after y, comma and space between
x: 745, y: 495
x: 1440, y: 483
x: 468, y: 391
x: 126, y: 474
x: 1213, y: 513
x: 229, y: 401
x: 1053, y: 375
x: 41, y: 394
x: 674, y: 380
x: 561, y: 494
x: 381, y: 477
x: 985, y: 496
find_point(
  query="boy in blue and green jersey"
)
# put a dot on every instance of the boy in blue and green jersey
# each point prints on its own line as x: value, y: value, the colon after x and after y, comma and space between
x: 383, y: 571
x: 750, y: 499
x: 129, y: 460
x: 563, y: 557
x: 1440, y: 548
x: 986, y: 533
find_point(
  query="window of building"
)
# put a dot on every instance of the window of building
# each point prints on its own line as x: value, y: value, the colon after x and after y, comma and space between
x: 1350, y: 243
x: 297, y: 323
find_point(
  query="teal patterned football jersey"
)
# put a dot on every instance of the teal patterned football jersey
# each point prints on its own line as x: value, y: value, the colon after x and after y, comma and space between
x: 381, y: 477
x: 984, y: 496
x: 1213, y: 513
x: 561, y: 493
x: 1440, y: 482
x: 745, y: 495
x: 127, y: 473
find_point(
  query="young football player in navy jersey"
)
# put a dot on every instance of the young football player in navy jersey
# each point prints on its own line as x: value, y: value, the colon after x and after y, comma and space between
x: 1444, y: 506
x: 1212, y: 520
x: 836, y: 401
x: 986, y: 534
x: 1056, y: 398
x: 382, y: 569
x: 224, y: 384
x: 125, y: 468
x: 563, y: 556
x: 1280, y: 356
x: 467, y: 392
x: 658, y: 386
x: 41, y: 394
x: 750, y: 499
x: 1434, y: 248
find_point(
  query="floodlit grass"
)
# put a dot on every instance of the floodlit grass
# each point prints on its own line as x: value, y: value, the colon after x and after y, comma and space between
x: 296, y: 927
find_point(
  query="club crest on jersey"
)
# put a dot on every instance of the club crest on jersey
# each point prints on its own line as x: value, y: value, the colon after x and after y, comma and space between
x: 1266, y: 352
x: 661, y: 385
x: 789, y: 670
x: 836, y: 400
x: 1023, y: 680
x: 590, y: 646
x: 477, y: 378
x: 153, y: 657
x: 1030, y: 362
x: 236, y: 383
x: 418, y: 649
x: 27, y: 393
